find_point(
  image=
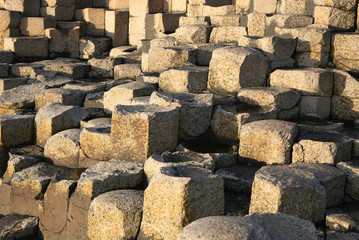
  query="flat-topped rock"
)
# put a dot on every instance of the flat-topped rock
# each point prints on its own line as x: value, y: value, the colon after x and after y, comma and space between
x: 95, y: 142
x: 139, y: 131
x: 267, y: 141
x: 281, y: 189
x: 18, y: 227
x: 351, y: 170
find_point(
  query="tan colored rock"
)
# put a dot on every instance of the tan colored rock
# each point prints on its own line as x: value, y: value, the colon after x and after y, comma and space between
x: 35, y: 26
x: 256, y: 24
x: 63, y: 148
x: 182, y: 195
x: 116, y: 26
x: 344, y: 5
x: 29, y: 8
x: 27, y: 47
x: 17, y: 226
x: 118, y: 4
x: 59, y: 13
x: 160, y: 59
x: 218, y: 10
x: 28, y: 187
x: 335, y: 18
x: 330, y: 148
x: 100, y: 178
x: 232, y: 68
x: 115, y: 215
x: 124, y: 93
x: 225, y: 34
x: 345, y: 84
x: 292, y: 7
x: 281, y: 189
x: 53, y: 219
x: 127, y: 71
x: 193, y: 34
x: 267, y: 7
x: 227, y: 120
x: 287, y: 21
x: 60, y: 95
x: 186, y: 20
x: 191, y: 79
x: 351, y: 170
x: 230, y: 20
x: 96, y: 142
x: 345, y: 51
x: 16, y: 129
x: 93, y: 47
x: 344, y: 108
x: 56, y: 117
x: 307, y: 81
x: 10, y: 83
x: 330, y: 177
x: 64, y: 41
x: 95, y: 20
x: 195, y: 110
x: 283, y: 98
x: 154, y: 128
x: 9, y: 19
x: 268, y: 141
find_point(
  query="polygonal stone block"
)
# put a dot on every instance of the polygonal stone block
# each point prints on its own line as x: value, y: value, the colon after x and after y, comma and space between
x: 60, y: 95
x: 281, y: 189
x: 29, y: 8
x: 63, y: 148
x: 227, y: 34
x: 351, y: 170
x: 330, y: 148
x: 227, y: 120
x: 344, y: 108
x: 116, y: 27
x: 195, y: 111
x: 9, y: 19
x: 93, y: 47
x: 100, y: 178
x: 197, y: 194
x: 55, y: 117
x: 124, y: 93
x: 268, y: 141
x: 95, y: 142
x: 191, y: 79
x: 28, y: 187
x: 139, y: 131
x: 64, y: 41
x: 58, y: 12
x: 335, y: 18
x: 95, y: 20
x: 123, y: 210
x: 127, y: 71
x: 27, y: 46
x: 315, y: 106
x: 35, y: 26
x: 345, y: 50
x: 193, y: 34
x: 330, y: 177
x: 232, y: 68
x: 16, y: 129
x: 161, y: 58
x: 307, y: 81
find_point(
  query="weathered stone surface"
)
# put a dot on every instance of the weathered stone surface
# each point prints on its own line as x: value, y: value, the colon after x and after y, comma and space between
x: 344, y: 108
x: 27, y: 7
x: 256, y: 24
x: 102, y: 67
x: 16, y: 129
x: 345, y: 84
x: 137, y: 132
x: 185, y: 20
x: 232, y: 68
x: 193, y: 34
x: 35, y: 26
x: 95, y: 20
x: 26, y: 47
x: 334, y: 235
x: 18, y: 227
x: 283, y: 98
x: 330, y: 148
x: 345, y: 51
x: 161, y: 58
x: 98, y: 179
x: 351, y: 170
x: 127, y: 71
x: 9, y: 83
x: 53, y: 219
x: 344, y: 5
x: 67, y: 67
x: 9, y: 19
x: 227, y: 34
x: 195, y: 110
x: 96, y: 142
x: 93, y: 47
x: 115, y: 215
x: 177, y: 196
x: 190, y: 79
x: 124, y: 93
x: 315, y: 106
x: 63, y: 148
x: 227, y: 120
x: 6, y: 56
x: 267, y: 141
x: 55, y: 117
x: 204, y: 52
x: 281, y: 189
x: 330, y: 177
x: 337, y: 19
x: 60, y: 95
x: 307, y: 81
x: 28, y: 187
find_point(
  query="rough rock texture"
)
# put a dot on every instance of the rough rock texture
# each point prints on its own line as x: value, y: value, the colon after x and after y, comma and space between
x: 268, y: 141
